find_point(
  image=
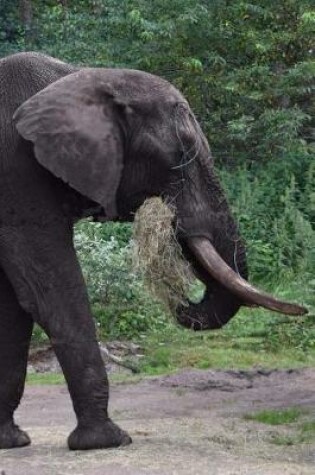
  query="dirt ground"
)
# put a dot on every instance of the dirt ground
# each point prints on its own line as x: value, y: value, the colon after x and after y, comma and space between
x: 187, y: 423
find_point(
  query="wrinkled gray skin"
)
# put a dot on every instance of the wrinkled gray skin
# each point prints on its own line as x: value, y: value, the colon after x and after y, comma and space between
x: 97, y: 142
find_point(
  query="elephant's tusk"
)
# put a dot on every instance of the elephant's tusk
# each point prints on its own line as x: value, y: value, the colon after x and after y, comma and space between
x: 208, y: 257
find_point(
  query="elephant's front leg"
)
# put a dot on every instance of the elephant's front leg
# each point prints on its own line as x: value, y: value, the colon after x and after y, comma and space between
x: 84, y: 371
x: 15, y: 335
x: 43, y: 268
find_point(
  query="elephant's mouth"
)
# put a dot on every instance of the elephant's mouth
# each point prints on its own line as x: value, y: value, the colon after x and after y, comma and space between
x: 225, y: 292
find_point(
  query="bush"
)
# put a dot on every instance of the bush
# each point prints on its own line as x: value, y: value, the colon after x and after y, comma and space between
x: 276, y: 214
x: 121, y: 305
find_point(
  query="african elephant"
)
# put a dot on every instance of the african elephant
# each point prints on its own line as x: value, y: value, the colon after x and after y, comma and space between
x: 98, y: 142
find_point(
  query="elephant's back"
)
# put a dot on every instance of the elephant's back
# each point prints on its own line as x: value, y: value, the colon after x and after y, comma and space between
x: 24, y: 74
x: 21, y: 76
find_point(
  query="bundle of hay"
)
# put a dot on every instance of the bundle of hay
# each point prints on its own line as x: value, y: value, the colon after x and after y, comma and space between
x: 158, y: 256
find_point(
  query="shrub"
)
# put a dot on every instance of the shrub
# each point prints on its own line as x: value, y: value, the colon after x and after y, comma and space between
x: 121, y: 305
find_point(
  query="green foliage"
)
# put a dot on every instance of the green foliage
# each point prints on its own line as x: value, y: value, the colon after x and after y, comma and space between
x: 10, y: 27
x: 121, y: 306
x: 275, y: 208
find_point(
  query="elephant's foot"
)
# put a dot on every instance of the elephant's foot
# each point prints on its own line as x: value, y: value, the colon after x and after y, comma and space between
x: 98, y: 436
x: 12, y: 436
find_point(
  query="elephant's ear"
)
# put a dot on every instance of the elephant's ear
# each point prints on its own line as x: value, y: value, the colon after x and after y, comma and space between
x: 73, y: 124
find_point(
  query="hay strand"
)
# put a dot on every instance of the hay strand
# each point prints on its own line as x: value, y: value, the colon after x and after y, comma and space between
x: 158, y: 256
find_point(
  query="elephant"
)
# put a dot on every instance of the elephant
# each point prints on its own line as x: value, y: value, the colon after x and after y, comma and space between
x: 78, y: 142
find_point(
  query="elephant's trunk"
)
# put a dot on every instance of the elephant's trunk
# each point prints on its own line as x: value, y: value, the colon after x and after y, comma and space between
x: 226, y: 291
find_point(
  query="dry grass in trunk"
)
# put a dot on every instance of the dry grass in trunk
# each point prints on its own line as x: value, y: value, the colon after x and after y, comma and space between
x: 158, y: 256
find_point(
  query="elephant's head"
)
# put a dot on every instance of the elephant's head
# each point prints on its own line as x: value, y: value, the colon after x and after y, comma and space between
x: 120, y: 136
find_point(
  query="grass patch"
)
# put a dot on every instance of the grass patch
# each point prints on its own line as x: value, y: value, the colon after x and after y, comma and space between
x: 243, y: 344
x: 308, y: 431
x: 276, y: 417
x: 299, y: 432
x: 253, y: 338
x: 308, y: 428
x: 57, y: 378
x: 45, y: 378
x: 305, y: 434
